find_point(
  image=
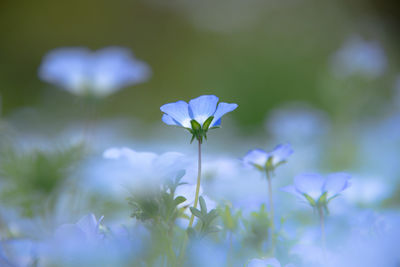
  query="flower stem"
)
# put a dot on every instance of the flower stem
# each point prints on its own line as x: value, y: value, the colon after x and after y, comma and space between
x: 322, y: 225
x: 185, y: 238
x: 196, y: 198
x: 271, y: 210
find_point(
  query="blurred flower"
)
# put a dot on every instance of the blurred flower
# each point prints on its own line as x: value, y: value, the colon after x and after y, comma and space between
x: 368, y: 190
x: 297, y: 123
x: 263, y: 160
x: 147, y: 166
x: 271, y: 262
x: 358, y: 56
x: 100, y: 73
x: 198, y: 116
x: 316, y: 190
x: 87, y: 229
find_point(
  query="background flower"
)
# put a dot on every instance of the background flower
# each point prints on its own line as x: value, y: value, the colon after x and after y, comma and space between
x: 100, y: 73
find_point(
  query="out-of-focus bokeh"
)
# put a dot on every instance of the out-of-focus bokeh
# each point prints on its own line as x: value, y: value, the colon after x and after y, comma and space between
x: 258, y: 53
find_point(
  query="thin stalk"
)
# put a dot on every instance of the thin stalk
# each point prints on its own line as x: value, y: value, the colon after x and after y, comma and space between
x: 196, y: 198
x: 271, y: 210
x: 322, y: 225
x: 323, y: 237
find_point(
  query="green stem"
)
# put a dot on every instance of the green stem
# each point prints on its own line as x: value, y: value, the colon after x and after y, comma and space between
x: 322, y: 225
x: 196, y: 198
x: 323, y: 237
x: 271, y: 210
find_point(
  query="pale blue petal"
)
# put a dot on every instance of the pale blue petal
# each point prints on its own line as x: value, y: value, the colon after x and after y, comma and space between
x: 310, y: 184
x: 217, y: 123
x: 271, y: 262
x: 67, y: 68
x: 169, y: 120
x: 203, y: 107
x: 179, y: 112
x: 222, y: 109
x: 281, y: 153
x: 336, y: 183
x: 113, y: 68
x: 292, y: 190
x: 256, y: 157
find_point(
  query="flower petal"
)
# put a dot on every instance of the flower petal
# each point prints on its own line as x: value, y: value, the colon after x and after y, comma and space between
x: 169, y: 120
x: 336, y: 183
x: 115, y: 67
x: 222, y: 109
x: 271, y: 262
x: 179, y: 112
x: 203, y: 107
x: 292, y: 190
x: 310, y: 184
x: 281, y: 153
x: 256, y: 157
x: 67, y: 68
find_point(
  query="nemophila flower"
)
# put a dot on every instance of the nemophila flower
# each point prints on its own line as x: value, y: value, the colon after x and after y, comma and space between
x: 87, y: 229
x: 200, y: 115
x: 263, y: 160
x: 100, y: 73
x: 317, y: 190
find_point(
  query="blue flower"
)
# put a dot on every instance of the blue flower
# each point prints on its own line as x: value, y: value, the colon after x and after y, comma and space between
x: 83, y: 72
x: 316, y: 190
x: 263, y: 160
x: 201, y: 114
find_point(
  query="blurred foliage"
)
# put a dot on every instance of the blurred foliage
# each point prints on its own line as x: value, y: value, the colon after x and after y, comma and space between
x: 34, y: 176
x: 158, y: 210
x: 276, y: 56
x: 257, y: 229
x: 205, y: 223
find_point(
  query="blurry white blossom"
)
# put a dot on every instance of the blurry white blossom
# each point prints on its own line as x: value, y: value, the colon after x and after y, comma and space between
x: 100, y: 73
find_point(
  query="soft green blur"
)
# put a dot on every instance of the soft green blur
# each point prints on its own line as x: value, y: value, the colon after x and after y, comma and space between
x: 258, y: 54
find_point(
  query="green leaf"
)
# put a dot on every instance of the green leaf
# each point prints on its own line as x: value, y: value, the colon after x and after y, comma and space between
x: 213, y: 214
x: 195, y: 125
x: 179, y: 200
x: 310, y: 200
x: 195, y: 212
x: 322, y: 199
x: 203, y: 206
x: 207, y: 123
x: 193, y: 137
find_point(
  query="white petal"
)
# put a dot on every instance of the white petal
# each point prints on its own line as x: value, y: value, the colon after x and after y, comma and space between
x: 179, y: 111
x: 203, y: 107
x: 310, y: 184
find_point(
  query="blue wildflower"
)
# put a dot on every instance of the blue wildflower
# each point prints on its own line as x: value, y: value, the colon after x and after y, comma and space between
x: 316, y: 190
x: 100, y: 73
x: 263, y: 160
x: 200, y: 115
